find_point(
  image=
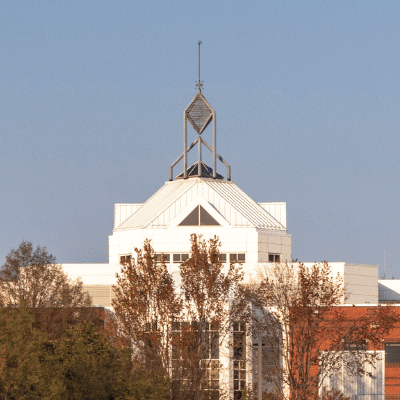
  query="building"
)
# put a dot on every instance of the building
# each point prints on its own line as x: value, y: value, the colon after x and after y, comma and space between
x: 201, y: 200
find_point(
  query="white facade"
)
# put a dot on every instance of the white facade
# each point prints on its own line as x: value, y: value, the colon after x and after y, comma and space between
x: 255, y: 231
x: 242, y: 225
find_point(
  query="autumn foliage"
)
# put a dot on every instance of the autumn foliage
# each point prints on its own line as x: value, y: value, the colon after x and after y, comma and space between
x: 178, y: 330
x: 299, y: 310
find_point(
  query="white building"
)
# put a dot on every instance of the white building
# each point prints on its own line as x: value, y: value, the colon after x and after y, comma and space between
x: 202, y: 201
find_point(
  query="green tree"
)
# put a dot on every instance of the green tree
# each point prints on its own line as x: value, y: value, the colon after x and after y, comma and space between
x: 85, y: 364
x: 22, y: 375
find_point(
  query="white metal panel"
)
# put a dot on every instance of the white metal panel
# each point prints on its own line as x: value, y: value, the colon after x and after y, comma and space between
x: 389, y: 290
x: 159, y: 202
x: 277, y: 210
x: 359, y: 387
x: 123, y: 211
x: 245, y: 206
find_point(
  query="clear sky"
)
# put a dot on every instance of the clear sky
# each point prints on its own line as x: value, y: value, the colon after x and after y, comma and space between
x: 306, y: 94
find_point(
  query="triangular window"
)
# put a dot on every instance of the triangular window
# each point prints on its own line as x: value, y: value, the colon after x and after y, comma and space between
x: 199, y: 217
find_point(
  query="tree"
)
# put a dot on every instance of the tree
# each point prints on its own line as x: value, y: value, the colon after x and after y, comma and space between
x: 85, y: 364
x: 21, y: 371
x: 31, y: 276
x: 145, y: 302
x: 298, y: 320
x: 212, y: 303
x: 179, y: 334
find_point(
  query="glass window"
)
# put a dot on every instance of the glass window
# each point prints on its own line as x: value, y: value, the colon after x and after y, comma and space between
x: 160, y: 257
x: 392, y: 353
x: 274, y: 257
x: 237, y: 257
x: 179, y: 258
x: 355, y: 346
x: 239, y: 362
x: 125, y: 258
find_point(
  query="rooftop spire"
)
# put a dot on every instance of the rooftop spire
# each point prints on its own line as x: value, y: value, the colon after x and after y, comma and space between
x: 199, y: 82
x: 199, y: 113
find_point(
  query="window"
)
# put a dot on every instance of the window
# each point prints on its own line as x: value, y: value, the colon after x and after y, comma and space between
x: 211, y: 361
x: 161, y: 257
x: 180, y: 258
x: 274, y: 257
x: 208, y: 337
x: 355, y: 346
x: 267, y: 361
x: 239, y: 359
x: 215, y: 258
x: 126, y: 258
x: 392, y: 353
x: 237, y: 257
x: 198, y: 217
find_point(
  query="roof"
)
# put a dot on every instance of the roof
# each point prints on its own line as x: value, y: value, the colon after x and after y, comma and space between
x: 178, y: 198
x: 206, y: 172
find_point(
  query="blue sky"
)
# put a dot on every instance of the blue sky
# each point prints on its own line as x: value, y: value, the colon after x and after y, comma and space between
x: 306, y: 94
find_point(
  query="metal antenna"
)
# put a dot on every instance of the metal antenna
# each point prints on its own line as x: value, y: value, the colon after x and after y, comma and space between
x: 384, y: 264
x: 199, y: 84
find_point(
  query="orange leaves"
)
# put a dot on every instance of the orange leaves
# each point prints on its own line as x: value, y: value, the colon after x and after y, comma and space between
x: 175, y: 331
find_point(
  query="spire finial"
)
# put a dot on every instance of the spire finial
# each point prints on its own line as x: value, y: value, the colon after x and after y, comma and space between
x: 199, y: 82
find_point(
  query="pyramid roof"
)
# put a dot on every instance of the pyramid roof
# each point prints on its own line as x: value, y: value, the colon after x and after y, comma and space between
x: 178, y: 198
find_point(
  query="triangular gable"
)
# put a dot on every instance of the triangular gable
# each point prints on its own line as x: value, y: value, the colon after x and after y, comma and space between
x: 199, y: 217
x: 199, y: 213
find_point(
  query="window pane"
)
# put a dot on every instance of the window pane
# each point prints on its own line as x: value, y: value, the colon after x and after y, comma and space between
x: 214, y: 345
x: 274, y: 257
x: 355, y: 346
x: 392, y: 352
x: 239, y: 349
x: 176, y: 326
x: 241, y: 257
x: 233, y: 257
x: 176, y: 258
x: 125, y: 258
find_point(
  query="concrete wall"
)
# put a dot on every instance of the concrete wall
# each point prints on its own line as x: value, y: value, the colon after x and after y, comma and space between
x: 361, y: 283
